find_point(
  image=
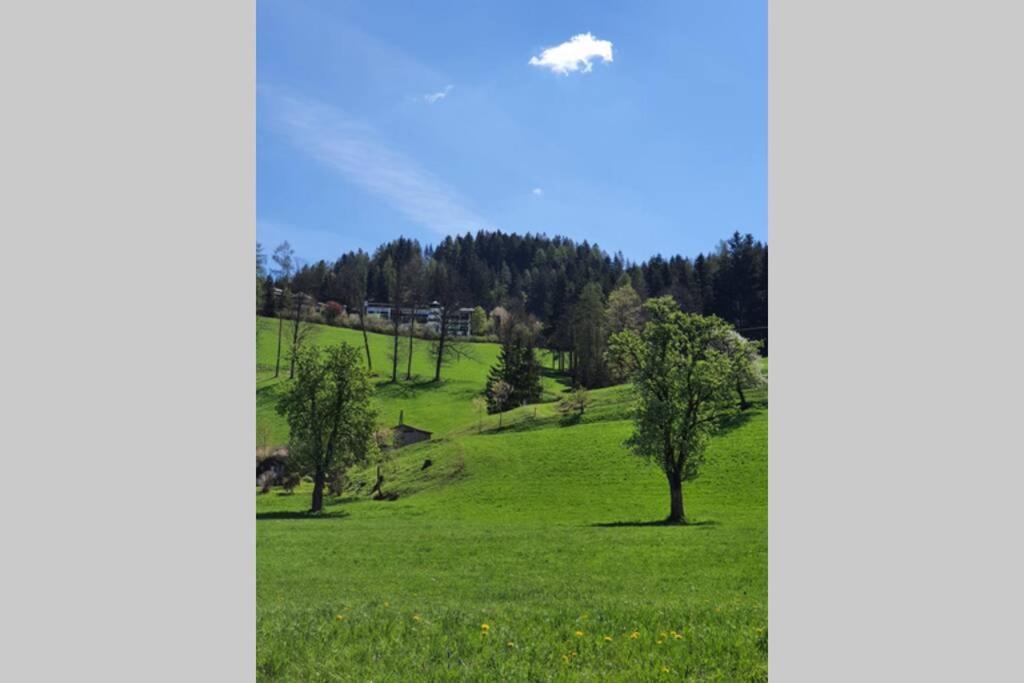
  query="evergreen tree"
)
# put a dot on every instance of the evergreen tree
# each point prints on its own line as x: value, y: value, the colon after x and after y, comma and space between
x: 269, y: 300
x: 589, y: 337
x: 518, y: 367
x: 545, y: 276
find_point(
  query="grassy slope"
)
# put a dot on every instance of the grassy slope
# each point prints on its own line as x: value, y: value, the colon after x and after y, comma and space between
x: 537, y: 530
x: 427, y: 405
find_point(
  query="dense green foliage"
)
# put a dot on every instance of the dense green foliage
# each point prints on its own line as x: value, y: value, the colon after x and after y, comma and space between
x: 330, y: 420
x: 589, y: 338
x: 546, y: 276
x: 517, y: 367
x: 547, y: 534
x: 683, y: 375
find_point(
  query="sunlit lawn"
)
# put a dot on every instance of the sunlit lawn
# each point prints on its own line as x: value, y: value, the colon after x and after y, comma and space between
x: 543, y: 532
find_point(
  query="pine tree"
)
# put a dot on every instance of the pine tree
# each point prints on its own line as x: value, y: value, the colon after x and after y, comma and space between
x: 518, y: 367
x: 589, y: 337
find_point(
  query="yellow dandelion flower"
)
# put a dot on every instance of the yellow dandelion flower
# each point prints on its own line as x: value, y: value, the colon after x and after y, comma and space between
x: 607, y: 639
x: 664, y: 669
x: 634, y: 635
x: 510, y: 644
x: 677, y: 636
x: 579, y: 634
x: 485, y: 627
x: 415, y: 617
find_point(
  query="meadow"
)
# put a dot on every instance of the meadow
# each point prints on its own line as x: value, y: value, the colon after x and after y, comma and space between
x: 527, y: 553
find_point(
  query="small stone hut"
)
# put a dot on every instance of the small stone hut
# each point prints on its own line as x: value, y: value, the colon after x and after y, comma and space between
x: 407, y: 434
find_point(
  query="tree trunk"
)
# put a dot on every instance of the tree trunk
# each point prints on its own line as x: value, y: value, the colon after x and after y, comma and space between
x: 743, y: 399
x: 318, y: 490
x: 394, y: 362
x: 676, y: 513
x: 295, y: 339
x: 378, y: 487
x: 440, y: 345
x: 366, y: 340
x: 280, y: 331
x: 412, y: 327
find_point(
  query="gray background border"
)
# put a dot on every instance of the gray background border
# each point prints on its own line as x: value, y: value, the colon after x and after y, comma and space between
x: 128, y: 156
x: 895, y: 148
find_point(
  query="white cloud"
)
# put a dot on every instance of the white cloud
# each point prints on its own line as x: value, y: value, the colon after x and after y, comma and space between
x: 574, y: 54
x: 538, y: 191
x: 352, y: 149
x: 439, y: 95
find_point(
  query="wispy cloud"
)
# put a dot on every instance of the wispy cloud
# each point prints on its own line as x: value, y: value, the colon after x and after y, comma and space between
x: 354, y: 151
x: 439, y: 95
x: 538, y: 192
x: 574, y: 54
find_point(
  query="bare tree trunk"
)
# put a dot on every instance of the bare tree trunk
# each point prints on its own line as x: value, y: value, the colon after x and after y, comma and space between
x: 295, y: 338
x: 394, y: 361
x: 440, y: 344
x: 412, y: 327
x: 318, y: 490
x: 366, y: 340
x: 280, y: 331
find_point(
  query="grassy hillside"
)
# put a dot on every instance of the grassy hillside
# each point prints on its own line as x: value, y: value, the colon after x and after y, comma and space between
x: 542, y: 532
x: 428, y: 405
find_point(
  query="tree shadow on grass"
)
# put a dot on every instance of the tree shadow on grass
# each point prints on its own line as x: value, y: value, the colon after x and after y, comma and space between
x: 563, y: 378
x: 741, y: 418
x: 657, y: 522
x: 301, y: 514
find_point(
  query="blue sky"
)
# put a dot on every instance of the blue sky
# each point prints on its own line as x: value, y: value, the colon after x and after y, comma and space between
x: 380, y: 119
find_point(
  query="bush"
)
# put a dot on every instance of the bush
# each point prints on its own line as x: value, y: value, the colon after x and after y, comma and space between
x: 573, y: 406
x: 266, y: 480
x: 336, y: 484
x: 290, y: 481
x: 332, y: 310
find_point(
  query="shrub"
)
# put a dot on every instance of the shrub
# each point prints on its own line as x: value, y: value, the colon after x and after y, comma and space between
x: 573, y: 406
x: 290, y: 481
x: 332, y: 310
x: 336, y: 484
x: 266, y: 480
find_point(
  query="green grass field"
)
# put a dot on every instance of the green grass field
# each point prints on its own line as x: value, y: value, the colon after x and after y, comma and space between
x: 545, y: 533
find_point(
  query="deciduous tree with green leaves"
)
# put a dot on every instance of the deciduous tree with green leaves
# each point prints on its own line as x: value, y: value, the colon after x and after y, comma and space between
x: 478, y: 322
x: 329, y: 414
x: 498, y: 393
x: 624, y: 308
x: 745, y: 362
x: 683, y: 379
